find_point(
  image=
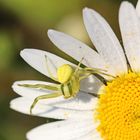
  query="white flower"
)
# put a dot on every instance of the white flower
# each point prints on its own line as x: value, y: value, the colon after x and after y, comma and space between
x: 116, y: 113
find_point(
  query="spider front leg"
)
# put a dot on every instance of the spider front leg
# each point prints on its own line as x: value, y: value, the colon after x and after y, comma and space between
x: 40, y: 86
x: 49, y: 71
x: 52, y: 95
x: 97, y: 71
x: 85, y: 76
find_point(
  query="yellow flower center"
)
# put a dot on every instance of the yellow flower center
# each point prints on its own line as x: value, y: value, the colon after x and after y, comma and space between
x: 118, y: 110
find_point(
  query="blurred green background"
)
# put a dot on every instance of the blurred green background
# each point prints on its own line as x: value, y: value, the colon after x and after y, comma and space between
x: 24, y: 24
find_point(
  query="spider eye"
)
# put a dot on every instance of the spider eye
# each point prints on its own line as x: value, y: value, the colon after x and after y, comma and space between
x: 64, y: 73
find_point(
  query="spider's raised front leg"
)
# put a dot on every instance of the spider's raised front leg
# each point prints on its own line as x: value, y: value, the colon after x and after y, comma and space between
x: 47, y: 96
x: 85, y: 76
x: 49, y: 71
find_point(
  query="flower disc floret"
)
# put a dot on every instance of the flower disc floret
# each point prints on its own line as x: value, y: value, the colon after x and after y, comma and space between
x: 118, y: 109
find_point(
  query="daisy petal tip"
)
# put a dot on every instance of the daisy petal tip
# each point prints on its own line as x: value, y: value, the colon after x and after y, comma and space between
x: 125, y: 4
x: 50, y: 31
x: 13, y: 85
x: 29, y: 136
x: 24, y: 52
x: 138, y: 7
x: 86, y: 9
x: 27, y: 50
x: 87, y: 12
x: 12, y: 104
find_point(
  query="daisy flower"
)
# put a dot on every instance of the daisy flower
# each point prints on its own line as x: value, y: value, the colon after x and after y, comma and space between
x: 115, y: 113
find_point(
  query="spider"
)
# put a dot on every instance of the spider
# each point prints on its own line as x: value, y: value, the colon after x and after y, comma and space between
x: 68, y: 79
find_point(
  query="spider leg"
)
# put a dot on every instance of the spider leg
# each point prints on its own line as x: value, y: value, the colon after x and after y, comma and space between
x: 47, y: 96
x: 98, y: 71
x: 106, y: 74
x: 40, y: 86
x: 85, y: 76
x: 94, y: 69
x: 51, y: 75
x: 78, y: 66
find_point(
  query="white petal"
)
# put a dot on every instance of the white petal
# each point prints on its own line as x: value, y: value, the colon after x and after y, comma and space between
x: 63, y: 130
x: 93, y: 135
x: 105, y: 41
x: 138, y: 8
x: 82, y: 101
x: 130, y: 30
x: 22, y: 104
x: 91, y: 85
x: 77, y: 49
x: 36, y: 58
